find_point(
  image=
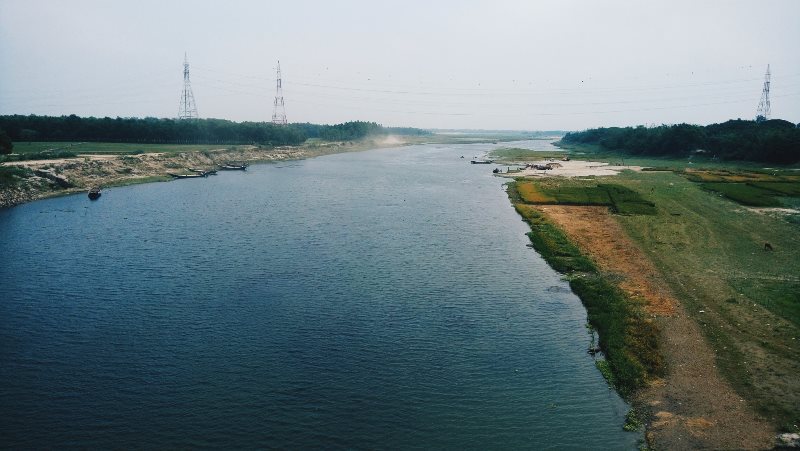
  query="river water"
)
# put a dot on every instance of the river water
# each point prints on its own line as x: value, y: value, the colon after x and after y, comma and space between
x: 372, y: 300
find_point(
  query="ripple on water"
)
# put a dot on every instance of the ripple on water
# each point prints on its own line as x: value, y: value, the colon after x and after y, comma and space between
x: 371, y: 300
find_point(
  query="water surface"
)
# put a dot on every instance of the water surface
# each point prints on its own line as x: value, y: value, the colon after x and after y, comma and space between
x: 382, y: 299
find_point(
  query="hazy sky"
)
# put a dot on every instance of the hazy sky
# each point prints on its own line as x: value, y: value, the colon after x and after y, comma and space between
x: 497, y: 64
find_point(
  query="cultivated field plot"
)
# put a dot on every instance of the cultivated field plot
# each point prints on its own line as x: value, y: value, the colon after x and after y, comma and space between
x: 621, y: 199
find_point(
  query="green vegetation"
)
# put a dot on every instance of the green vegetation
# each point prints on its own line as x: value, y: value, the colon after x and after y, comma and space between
x: 37, y: 156
x: 172, y: 131
x: 744, y: 193
x: 712, y: 256
x: 785, y: 188
x: 772, y: 188
x: 605, y: 369
x: 10, y: 176
x: 774, y: 141
x: 6, y: 146
x: 621, y: 199
x: 628, y: 339
x: 552, y: 244
x: 26, y: 149
x: 632, y: 421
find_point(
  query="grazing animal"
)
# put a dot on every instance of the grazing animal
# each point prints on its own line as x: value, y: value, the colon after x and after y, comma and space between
x: 767, y: 247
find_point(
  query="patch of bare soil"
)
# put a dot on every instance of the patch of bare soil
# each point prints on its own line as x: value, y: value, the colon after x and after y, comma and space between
x: 693, y: 407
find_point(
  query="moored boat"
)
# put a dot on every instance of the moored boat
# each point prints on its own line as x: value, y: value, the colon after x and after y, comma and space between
x: 233, y: 167
x: 186, y: 176
x: 94, y: 193
x: 204, y: 172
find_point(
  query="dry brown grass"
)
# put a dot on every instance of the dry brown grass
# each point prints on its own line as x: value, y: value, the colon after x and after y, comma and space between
x: 597, y: 233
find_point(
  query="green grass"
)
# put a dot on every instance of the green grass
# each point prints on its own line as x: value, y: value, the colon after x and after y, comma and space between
x: 781, y: 297
x: 711, y: 254
x: 626, y: 201
x: 744, y: 193
x: 10, y: 176
x: 581, y: 195
x: 44, y: 155
x: 552, y: 244
x: 621, y: 199
x: 785, y: 188
x: 628, y: 339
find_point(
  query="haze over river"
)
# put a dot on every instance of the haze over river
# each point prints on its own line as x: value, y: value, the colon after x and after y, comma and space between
x: 371, y: 300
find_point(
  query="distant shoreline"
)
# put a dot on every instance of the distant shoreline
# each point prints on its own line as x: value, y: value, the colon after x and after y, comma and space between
x: 64, y: 176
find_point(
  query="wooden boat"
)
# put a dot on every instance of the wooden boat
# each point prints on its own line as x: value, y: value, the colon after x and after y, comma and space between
x: 203, y: 172
x: 186, y: 176
x: 481, y: 161
x: 233, y: 167
x: 94, y: 193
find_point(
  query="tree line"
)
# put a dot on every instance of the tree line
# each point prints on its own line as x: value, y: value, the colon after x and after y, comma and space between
x: 770, y: 141
x: 176, y: 131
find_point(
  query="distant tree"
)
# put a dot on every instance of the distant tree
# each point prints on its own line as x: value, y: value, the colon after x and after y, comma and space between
x: 201, y: 131
x: 770, y: 141
x: 27, y: 134
x: 6, y: 146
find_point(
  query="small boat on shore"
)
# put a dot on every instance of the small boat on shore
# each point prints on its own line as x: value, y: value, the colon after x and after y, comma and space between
x: 186, y: 176
x: 481, y: 161
x: 94, y: 193
x: 233, y: 167
x: 204, y: 172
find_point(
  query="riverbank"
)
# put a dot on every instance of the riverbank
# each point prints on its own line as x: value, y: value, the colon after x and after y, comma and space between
x: 38, y: 179
x: 728, y: 355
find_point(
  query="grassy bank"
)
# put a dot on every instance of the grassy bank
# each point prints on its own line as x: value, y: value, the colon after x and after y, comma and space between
x: 711, y: 251
x: 626, y: 336
x: 708, y: 245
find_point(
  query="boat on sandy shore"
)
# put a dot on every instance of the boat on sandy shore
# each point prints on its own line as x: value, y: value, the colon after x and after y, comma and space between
x: 94, y: 193
x: 482, y: 161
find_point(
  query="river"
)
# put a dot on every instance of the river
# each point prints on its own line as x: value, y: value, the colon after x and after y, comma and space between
x: 371, y: 300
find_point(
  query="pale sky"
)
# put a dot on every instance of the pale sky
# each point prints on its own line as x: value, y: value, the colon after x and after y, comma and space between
x: 525, y: 65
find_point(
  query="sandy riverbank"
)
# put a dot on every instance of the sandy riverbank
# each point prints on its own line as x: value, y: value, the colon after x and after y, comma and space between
x: 71, y: 175
x: 572, y: 168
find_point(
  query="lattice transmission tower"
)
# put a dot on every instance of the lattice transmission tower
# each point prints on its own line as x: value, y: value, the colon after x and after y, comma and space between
x: 188, y: 109
x: 279, y: 111
x: 762, y: 114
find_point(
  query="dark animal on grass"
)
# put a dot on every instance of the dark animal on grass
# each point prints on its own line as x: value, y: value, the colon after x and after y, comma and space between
x: 767, y: 247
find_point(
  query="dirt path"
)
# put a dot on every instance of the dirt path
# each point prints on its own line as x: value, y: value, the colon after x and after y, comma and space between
x: 693, y: 407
